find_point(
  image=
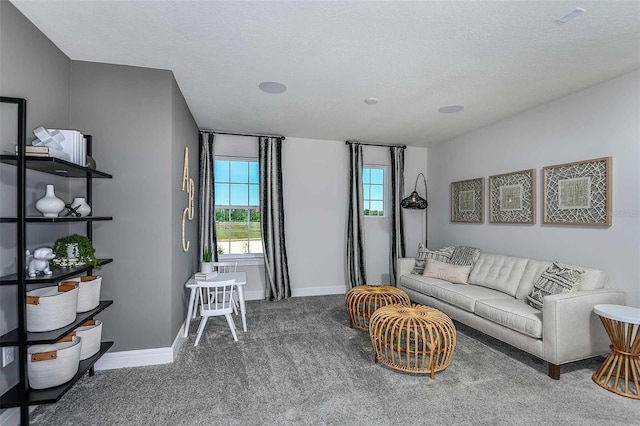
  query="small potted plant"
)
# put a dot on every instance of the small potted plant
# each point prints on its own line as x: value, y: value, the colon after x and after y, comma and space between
x: 74, y: 250
x: 207, y: 261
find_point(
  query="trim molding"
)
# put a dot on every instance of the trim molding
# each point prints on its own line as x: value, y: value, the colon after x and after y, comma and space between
x: 318, y: 291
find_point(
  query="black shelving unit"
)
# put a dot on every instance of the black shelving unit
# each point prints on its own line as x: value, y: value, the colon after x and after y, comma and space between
x: 21, y: 395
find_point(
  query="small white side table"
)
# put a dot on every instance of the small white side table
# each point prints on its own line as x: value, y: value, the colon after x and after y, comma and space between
x: 620, y: 372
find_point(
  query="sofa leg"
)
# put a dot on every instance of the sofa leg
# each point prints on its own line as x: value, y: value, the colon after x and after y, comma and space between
x: 554, y: 371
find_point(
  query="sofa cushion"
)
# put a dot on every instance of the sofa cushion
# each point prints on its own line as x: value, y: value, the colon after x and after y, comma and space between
x: 592, y: 279
x: 457, y: 274
x: 443, y: 255
x: 512, y: 313
x: 555, y: 280
x: 463, y: 255
x: 499, y: 272
x: 418, y: 283
x: 463, y: 296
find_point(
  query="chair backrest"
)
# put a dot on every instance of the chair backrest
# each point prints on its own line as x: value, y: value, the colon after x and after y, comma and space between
x: 223, y: 267
x: 216, y: 297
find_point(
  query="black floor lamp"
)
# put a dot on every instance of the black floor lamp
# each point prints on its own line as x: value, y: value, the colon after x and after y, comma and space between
x: 416, y: 202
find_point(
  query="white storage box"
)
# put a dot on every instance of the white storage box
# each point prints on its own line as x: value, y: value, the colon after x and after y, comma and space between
x: 50, y: 308
x: 89, y: 294
x: 53, y: 365
x: 91, y: 334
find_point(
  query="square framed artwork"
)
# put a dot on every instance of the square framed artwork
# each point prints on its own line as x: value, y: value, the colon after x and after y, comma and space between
x: 577, y: 193
x: 467, y: 201
x: 512, y: 197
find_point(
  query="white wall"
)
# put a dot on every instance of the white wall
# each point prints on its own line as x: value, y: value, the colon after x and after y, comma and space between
x: 316, y: 178
x: 600, y: 121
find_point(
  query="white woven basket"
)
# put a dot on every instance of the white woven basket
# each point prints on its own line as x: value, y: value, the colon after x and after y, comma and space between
x: 50, y: 308
x: 53, y: 365
x: 91, y: 333
x: 89, y: 295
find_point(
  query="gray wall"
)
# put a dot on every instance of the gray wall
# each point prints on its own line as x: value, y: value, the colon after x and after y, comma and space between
x: 600, y: 121
x: 31, y: 67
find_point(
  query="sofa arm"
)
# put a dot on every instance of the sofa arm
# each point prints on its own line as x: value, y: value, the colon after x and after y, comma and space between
x: 405, y: 265
x: 571, y: 330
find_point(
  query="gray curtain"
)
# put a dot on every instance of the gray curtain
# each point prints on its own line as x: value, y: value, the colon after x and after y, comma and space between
x: 207, y: 217
x: 272, y: 218
x: 356, y: 272
x: 396, y: 249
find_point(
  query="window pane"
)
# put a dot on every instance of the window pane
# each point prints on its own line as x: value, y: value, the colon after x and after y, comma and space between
x: 222, y: 194
x: 376, y: 192
x: 377, y: 206
x: 366, y: 205
x: 239, y: 171
x: 221, y: 171
x: 254, y: 172
x: 255, y: 237
x: 366, y: 175
x: 239, y: 194
x: 254, y: 195
x: 377, y: 176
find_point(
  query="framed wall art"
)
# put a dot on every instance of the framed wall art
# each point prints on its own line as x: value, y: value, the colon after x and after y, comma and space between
x: 577, y: 193
x: 512, y: 197
x: 467, y: 201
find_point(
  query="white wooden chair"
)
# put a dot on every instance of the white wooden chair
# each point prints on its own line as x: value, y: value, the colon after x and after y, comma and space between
x: 223, y: 267
x: 212, y: 306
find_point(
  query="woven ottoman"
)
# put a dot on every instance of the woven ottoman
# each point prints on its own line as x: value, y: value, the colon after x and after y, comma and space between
x: 363, y: 300
x: 414, y: 339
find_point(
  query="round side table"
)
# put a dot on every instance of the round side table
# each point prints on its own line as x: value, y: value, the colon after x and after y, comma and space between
x: 363, y: 300
x: 414, y: 339
x: 620, y: 371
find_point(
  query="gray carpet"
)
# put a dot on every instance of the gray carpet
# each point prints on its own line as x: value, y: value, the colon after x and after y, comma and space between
x: 301, y: 364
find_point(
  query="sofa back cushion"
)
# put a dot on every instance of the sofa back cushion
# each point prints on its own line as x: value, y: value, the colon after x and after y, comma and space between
x: 498, y: 272
x: 591, y: 279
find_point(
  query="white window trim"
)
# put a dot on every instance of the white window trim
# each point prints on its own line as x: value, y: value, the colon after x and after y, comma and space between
x: 385, y: 189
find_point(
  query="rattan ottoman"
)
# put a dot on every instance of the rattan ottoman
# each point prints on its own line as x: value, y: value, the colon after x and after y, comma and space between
x: 414, y: 339
x: 363, y: 300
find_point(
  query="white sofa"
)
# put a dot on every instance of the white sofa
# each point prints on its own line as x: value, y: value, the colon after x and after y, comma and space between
x: 494, y: 302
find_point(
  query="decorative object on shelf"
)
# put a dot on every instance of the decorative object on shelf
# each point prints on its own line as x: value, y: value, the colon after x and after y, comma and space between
x: 71, y: 211
x: 48, y: 138
x: 50, y: 205
x: 91, y: 333
x: 91, y: 162
x: 512, y: 197
x: 88, y: 291
x: 40, y: 261
x: 416, y: 202
x: 79, y: 205
x: 50, y: 308
x: 206, y: 265
x: 467, y: 201
x: 53, y: 365
x: 577, y: 193
x: 189, y: 186
x: 74, y: 250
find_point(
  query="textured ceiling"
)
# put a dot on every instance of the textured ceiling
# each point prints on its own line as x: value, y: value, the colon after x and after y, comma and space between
x: 495, y: 58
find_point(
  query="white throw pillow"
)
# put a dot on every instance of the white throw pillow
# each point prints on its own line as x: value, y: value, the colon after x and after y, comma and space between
x: 456, y: 274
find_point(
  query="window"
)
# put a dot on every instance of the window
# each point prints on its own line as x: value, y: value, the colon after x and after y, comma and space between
x: 237, y: 206
x: 373, y: 188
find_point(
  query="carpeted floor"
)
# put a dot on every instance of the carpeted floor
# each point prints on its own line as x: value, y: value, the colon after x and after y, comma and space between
x: 301, y: 364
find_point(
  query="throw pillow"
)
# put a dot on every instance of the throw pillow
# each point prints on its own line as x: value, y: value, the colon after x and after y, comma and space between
x: 424, y: 253
x: 463, y: 255
x: 555, y: 280
x: 456, y: 274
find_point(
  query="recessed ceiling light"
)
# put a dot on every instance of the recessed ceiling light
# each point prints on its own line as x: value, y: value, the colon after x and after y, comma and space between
x: 272, y: 87
x: 571, y: 15
x: 450, y: 109
x: 371, y: 101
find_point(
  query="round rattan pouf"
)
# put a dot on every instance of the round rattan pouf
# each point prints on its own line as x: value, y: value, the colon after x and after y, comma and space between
x: 363, y: 300
x: 414, y: 339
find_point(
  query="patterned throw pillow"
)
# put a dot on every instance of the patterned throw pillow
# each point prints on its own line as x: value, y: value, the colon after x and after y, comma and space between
x: 443, y: 255
x: 463, y: 255
x: 555, y: 280
x: 456, y: 274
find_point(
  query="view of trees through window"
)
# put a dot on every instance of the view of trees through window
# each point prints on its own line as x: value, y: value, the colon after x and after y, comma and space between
x: 373, y: 188
x: 237, y: 206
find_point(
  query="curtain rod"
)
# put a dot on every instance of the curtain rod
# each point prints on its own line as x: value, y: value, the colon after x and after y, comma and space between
x: 242, y: 134
x: 376, y: 144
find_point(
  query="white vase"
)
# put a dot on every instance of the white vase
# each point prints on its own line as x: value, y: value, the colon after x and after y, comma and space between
x: 206, y: 267
x: 50, y: 205
x: 83, y: 208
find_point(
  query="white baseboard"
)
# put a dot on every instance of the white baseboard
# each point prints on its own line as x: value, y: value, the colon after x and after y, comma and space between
x: 254, y: 295
x: 317, y: 291
x: 11, y: 416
